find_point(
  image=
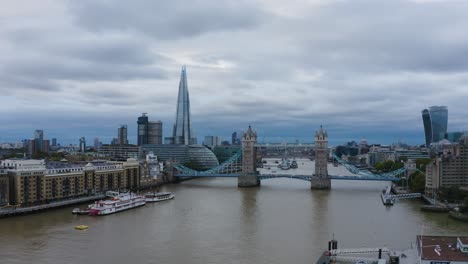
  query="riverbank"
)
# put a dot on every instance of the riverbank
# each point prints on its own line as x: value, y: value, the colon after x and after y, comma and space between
x: 15, y: 211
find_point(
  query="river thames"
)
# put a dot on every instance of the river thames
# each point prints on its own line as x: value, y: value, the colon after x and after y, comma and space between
x: 213, y: 221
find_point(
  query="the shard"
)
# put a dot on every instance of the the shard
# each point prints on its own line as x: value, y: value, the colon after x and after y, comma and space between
x: 182, y: 133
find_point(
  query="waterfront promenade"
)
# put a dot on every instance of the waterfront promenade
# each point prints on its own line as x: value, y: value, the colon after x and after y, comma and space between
x: 12, y: 211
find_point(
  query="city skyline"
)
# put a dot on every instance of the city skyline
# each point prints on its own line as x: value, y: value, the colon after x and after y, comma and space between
x: 304, y: 65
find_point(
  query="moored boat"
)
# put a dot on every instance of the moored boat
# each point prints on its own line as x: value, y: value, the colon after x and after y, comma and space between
x: 121, y: 202
x: 158, y: 197
x: 80, y: 211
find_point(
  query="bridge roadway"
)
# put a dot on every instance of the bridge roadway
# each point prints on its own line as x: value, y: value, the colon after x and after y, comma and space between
x: 292, y: 176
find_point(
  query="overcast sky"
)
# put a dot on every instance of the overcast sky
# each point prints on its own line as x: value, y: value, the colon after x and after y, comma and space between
x: 360, y: 68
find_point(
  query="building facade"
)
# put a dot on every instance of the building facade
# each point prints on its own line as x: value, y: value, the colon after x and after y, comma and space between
x: 321, y: 179
x: 155, y: 132
x: 435, y: 120
x: 182, y: 133
x: 449, y: 169
x: 82, y: 144
x: 193, y: 156
x: 119, y: 152
x: 32, y: 183
x: 248, y: 177
x: 122, y: 135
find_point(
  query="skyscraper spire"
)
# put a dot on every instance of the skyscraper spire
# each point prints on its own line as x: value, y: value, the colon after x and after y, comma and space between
x: 183, y: 126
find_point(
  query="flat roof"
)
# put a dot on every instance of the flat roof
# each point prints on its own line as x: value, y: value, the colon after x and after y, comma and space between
x: 443, y: 248
x: 464, y: 240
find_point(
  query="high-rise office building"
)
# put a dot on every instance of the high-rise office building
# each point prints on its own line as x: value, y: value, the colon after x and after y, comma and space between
x: 155, y: 132
x: 54, y: 142
x: 82, y: 144
x: 427, y: 126
x: 234, y: 138
x: 142, y: 127
x: 96, y: 144
x: 149, y: 132
x: 435, y: 120
x: 183, y: 133
x: 38, y: 138
x: 212, y: 141
x: 439, y: 119
x: 122, y: 135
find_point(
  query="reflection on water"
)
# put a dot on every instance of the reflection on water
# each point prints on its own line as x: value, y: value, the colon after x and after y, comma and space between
x: 213, y: 221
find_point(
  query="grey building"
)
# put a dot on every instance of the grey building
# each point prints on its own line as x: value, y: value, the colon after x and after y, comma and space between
x: 155, y: 132
x: 149, y: 132
x: 82, y: 144
x: 122, y: 135
x: 449, y: 169
x: 119, y: 152
x: 38, y: 138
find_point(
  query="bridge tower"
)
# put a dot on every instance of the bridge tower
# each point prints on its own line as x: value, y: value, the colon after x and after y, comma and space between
x: 248, y: 177
x: 321, y: 180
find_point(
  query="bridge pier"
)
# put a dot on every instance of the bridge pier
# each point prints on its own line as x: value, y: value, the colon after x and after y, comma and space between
x: 320, y: 183
x: 248, y: 181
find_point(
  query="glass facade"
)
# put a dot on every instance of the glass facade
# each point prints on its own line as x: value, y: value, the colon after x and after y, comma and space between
x: 194, y: 156
x: 439, y: 120
x: 435, y: 123
x: 427, y: 126
x: 38, y: 137
x: 142, y: 130
x: 454, y: 136
x: 183, y: 133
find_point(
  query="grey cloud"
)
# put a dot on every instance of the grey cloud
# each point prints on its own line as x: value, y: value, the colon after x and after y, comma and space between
x: 165, y: 19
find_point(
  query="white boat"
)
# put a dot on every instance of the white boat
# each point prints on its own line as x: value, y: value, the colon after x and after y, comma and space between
x: 285, y: 164
x: 158, y: 197
x: 121, y: 202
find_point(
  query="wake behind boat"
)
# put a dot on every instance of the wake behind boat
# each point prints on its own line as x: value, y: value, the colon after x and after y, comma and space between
x: 119, y: 202
x: 158, y: 197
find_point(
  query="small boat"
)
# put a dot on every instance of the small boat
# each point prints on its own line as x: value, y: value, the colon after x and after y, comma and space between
x: 158, y: 197
x: 80, y: 211
x: 294, y: 164
x: 81, y: 227
x: 285, y: 164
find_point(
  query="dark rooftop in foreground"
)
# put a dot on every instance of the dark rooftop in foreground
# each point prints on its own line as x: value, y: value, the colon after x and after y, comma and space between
x: 444, y: 248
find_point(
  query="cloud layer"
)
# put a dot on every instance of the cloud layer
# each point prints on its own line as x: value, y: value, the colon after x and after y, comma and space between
x: 361, y: 68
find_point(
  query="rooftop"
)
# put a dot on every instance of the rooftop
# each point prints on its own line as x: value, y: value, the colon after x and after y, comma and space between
x: 442, y: 248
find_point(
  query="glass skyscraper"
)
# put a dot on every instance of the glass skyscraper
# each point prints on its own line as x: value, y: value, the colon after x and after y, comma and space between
x: 182, y: 133
x: 435, y: 122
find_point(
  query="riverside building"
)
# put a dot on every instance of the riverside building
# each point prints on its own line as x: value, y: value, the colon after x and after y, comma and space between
x: 449, y: 169
x: 33, y: 182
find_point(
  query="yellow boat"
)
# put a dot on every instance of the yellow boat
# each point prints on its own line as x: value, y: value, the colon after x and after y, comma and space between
x: 81, y: 227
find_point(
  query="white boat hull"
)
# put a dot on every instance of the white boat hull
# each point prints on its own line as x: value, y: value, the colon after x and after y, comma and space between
x: 158, y: 199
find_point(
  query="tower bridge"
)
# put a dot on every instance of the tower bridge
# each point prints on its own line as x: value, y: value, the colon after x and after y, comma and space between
x: 243, y: 166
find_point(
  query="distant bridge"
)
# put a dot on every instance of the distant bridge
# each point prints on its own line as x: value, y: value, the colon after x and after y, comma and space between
x: 232, y: 168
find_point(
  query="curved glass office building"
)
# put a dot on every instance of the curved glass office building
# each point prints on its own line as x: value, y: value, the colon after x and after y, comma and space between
x: 194, y: 156
x: 435, y: 122
x: 427, y: 126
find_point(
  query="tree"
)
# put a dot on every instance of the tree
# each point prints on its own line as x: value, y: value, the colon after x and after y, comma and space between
x: 464, y: 207
x: 418, y: 182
